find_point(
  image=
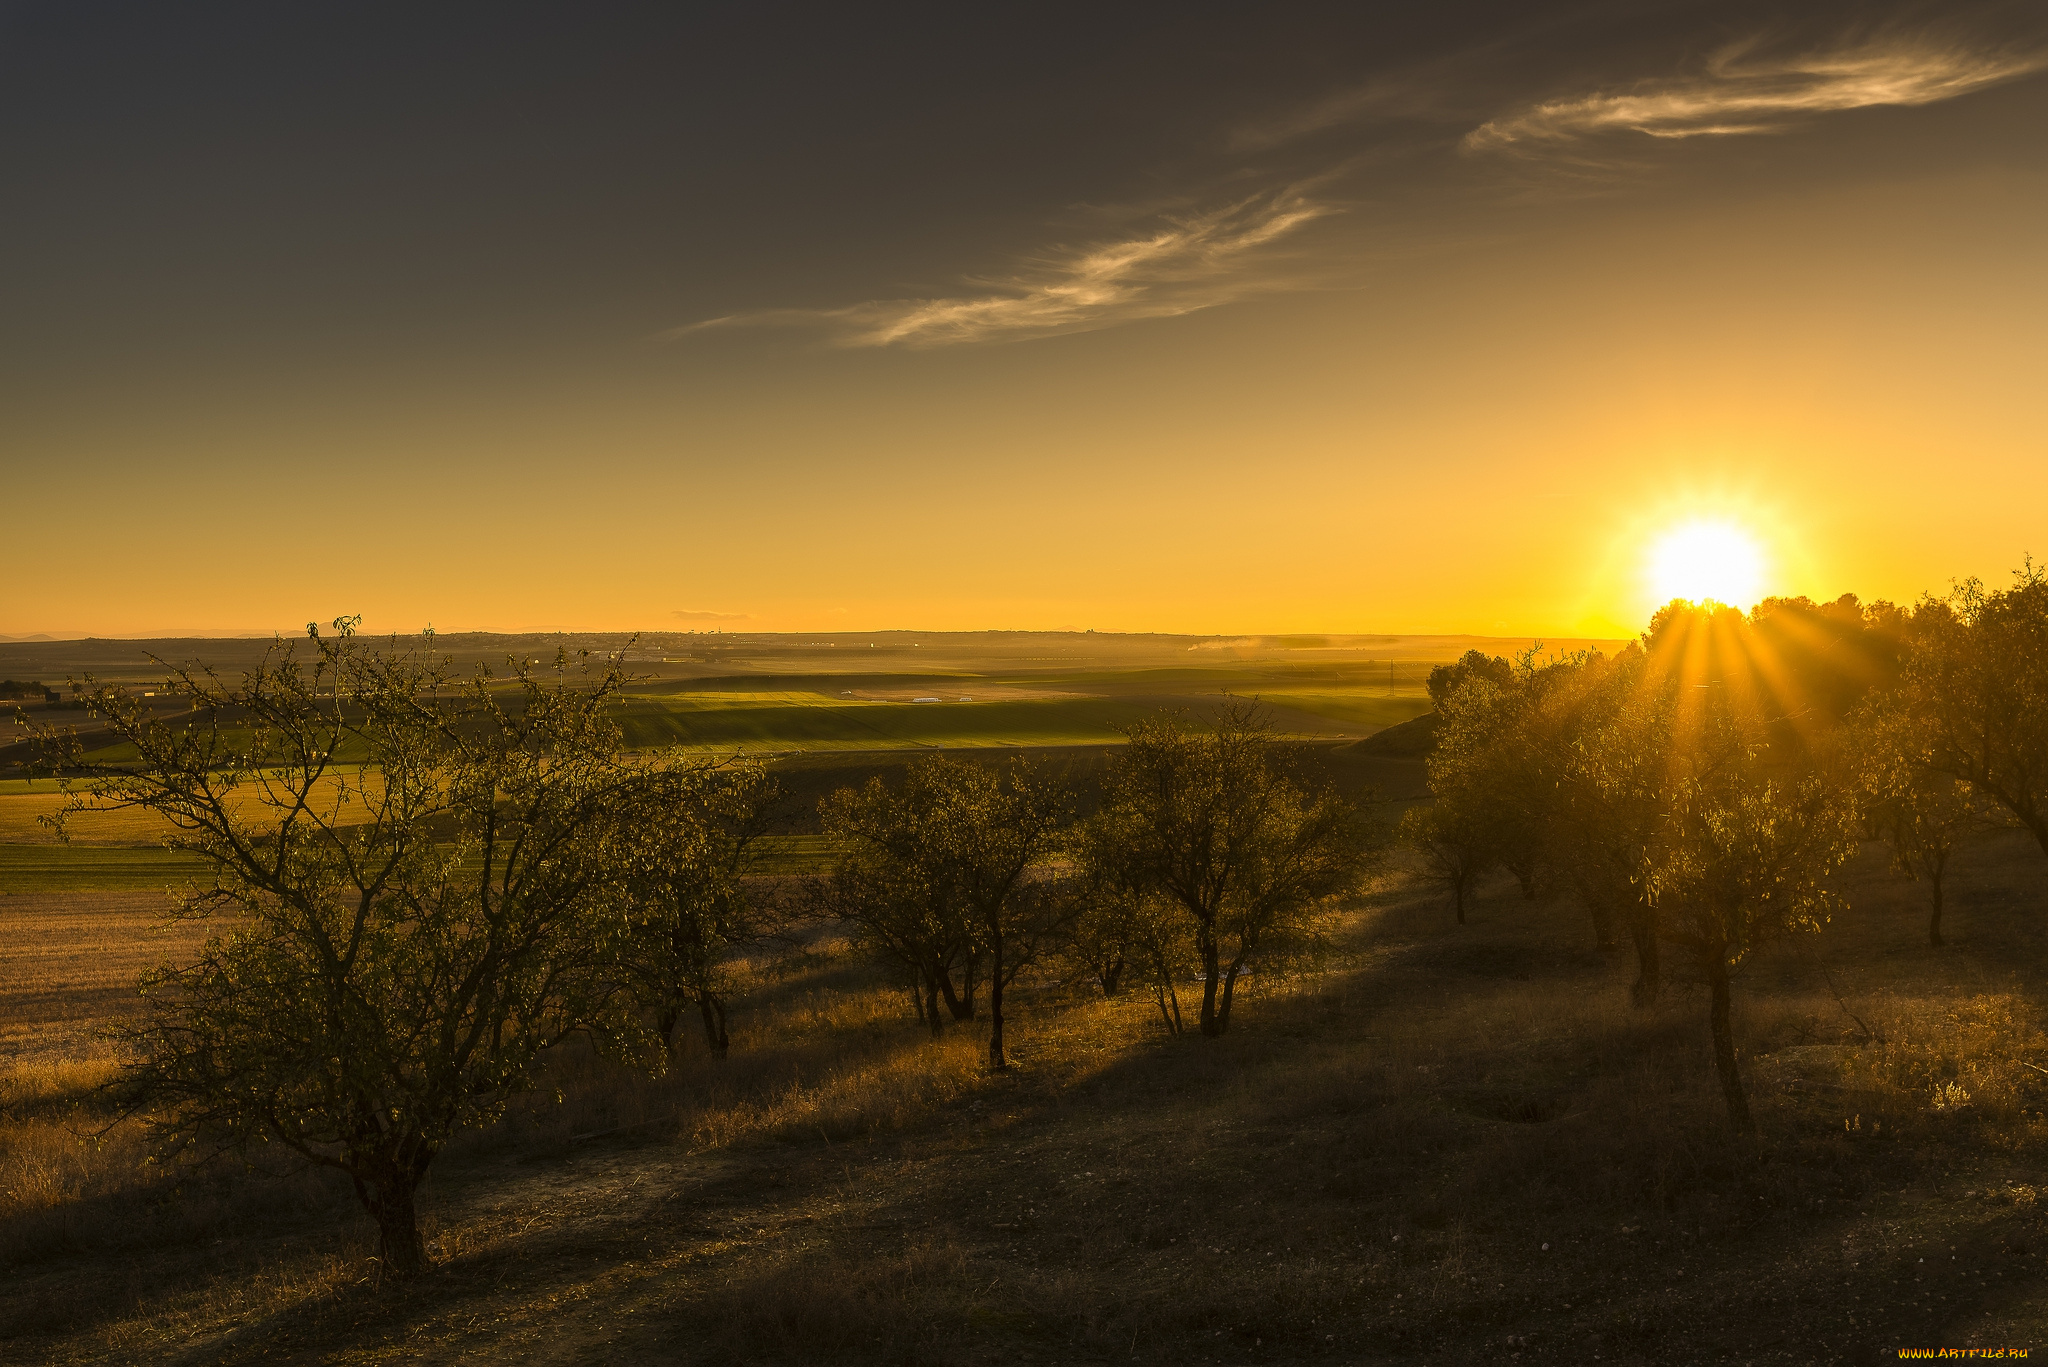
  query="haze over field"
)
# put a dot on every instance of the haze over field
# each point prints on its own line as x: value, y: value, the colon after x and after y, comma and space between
x: 808, y: 318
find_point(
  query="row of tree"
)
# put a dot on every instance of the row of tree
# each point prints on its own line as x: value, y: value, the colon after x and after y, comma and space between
x: 425, y: 883
x: 1204, y: 853
x: 1701, y: 788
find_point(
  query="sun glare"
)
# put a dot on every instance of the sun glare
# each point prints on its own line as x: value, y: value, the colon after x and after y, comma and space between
x: 1707, y: 560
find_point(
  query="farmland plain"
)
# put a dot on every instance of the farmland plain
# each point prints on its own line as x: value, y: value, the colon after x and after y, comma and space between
x: 797, y: 700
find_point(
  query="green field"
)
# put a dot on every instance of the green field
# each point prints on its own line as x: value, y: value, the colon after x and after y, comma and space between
x: 808, y: 702
x: 1069, y: 712
x: 1089, y: 710
x: 93, y: 868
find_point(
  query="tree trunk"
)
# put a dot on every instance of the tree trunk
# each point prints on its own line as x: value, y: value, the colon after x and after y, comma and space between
x: 1934, y: 873
x: 1163, y: 993
x: 389, y: 1202
x: 2034, y: 822
x: 971, y: 980
x: 996, y: 1062
x: 1229, y: 995
x: 1111, y: 976
x: 1649, y: 965
x: 932, y: 1018
x: 671, y: 1017
x: 1211, y: 970
x: 1724, y: 1045
x: 713, y: 1011
x: 1603, y: 924
x: 960, y: 1008
x: 917, y: 1001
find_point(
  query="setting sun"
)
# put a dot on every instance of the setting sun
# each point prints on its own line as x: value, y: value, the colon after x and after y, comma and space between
x: 1707, y: 560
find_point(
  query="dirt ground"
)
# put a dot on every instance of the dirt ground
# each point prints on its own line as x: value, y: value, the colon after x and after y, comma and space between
x: 1457, y: 1144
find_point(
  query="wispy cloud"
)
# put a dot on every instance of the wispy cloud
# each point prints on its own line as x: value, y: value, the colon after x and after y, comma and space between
x: 1177, y: 264
x: 1743, y: 90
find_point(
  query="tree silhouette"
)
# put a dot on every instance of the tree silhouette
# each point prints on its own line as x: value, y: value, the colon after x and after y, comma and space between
x: 410, y: 874
x: 1975, y: 681
x: 1213, y: 826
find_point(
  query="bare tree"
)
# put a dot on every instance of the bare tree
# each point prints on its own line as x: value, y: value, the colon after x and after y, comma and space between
x: 409, y: 873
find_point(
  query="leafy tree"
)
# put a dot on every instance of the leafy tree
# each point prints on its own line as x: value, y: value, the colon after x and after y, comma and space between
x: 1818, y: 660
x: 985, y: 829
x: 1606, y: 813
x: 1453, y: 845
x: 1746, y: 847
x: 1215, y: 827
x: 890, y: 884
x: 1921, y: 813
x: 1446, y: 680
x: 403, y: 935
x: 1123, y: 925
x: 1975, y: 680
x: 688, y: 903
x: 1495, y: 772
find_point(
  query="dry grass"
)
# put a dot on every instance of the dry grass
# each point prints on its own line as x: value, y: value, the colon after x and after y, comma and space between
x: 1370, y: 1167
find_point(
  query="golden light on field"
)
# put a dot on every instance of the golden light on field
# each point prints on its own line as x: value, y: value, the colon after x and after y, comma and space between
x: 1699, y: 561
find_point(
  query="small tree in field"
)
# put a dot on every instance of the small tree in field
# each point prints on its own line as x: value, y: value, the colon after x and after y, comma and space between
x: 988, y: 828
x: 1454, y: 849
x: 1213, y: 826
x: 1921, y: 813
x: 956, y: 848
x: 407, y: 873
x: 1745, y: 853
x: 1483, y: 813
x: 1607, y: 812
x: 892, y: 886
x: 1123, y: 927
x: 687, y: 902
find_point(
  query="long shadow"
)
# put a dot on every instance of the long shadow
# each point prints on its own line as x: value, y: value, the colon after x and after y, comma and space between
x: 1715, y: 1258
x: 1135, y: 1208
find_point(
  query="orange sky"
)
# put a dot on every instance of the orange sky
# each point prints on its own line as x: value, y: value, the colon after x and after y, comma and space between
x: 1465, y: 397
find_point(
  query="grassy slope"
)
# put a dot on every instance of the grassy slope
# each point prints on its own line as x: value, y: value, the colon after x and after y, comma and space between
x: 1458, y: 1144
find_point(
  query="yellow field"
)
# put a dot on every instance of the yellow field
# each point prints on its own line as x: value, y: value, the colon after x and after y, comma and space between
x: 69, y: 962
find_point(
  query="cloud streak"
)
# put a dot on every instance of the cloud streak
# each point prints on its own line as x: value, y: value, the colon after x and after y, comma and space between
x: 1179, y: 264
x: 1743, y: 91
